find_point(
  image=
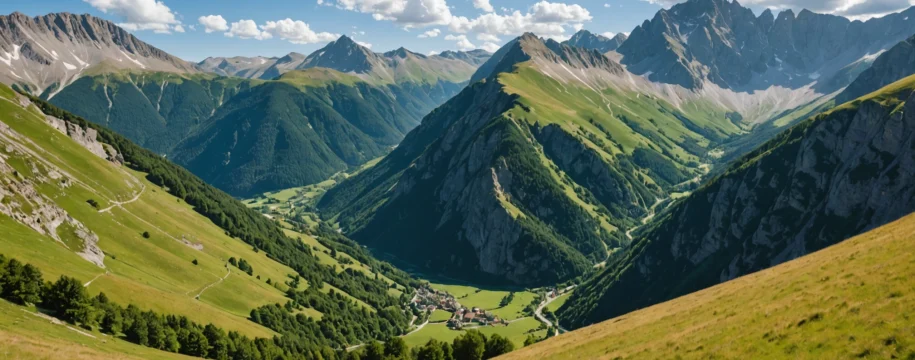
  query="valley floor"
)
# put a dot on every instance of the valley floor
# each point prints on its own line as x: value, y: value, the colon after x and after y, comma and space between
x: 853, y: 299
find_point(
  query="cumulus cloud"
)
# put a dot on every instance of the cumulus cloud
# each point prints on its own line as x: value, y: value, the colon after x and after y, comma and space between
x: 483, y: 5
x: 488, y: 46
x: 247, y: 29
x: 213, y: 23
x: 296, y: 32
x: 606, y: 5
x: 430, y: 34
x: 608, y: 34
x: 543, y: 18
x: 364, y: 44
x: 140, y: 14
x: 487, y: 37
x: 409, y: 13
x: 461, y: 42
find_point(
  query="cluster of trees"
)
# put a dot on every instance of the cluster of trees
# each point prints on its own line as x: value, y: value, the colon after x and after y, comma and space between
x: 507, y: 299
x: 242, y: 265
x: 68, y: 300
x: 343, y: 323
x: 472, y: 345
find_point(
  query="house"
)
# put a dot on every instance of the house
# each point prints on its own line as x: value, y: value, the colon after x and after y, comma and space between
x: 468, y: 316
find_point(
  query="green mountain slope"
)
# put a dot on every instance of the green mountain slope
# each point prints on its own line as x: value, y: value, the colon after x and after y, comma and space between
x: 82, y: 201
x: 516, y: 182
x: 833, y: 176
x: 845, y: 301
x: 343, y: 121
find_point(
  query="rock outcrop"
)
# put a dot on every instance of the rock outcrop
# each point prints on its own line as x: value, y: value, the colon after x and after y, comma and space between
x: 831, y: 177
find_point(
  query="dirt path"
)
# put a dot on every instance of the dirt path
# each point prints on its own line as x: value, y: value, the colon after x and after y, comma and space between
x: 96, y: 278
x: 213, y: 284
x: 119, y: 203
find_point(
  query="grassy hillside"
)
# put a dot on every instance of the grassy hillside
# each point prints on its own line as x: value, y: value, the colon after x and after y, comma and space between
x: 849, y: 300
x: 155, y: 272
x: 149, y: 234
x: 215, y: 125
x: 27, y: 334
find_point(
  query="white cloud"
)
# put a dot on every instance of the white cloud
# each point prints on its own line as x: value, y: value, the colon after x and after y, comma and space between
x: 606, y: 5
x: 140, y: 14
x: 405, y: 12
x: 487, y: 37
x: 543, y: 18
x: 213, y: 23
x: 179, y: 29
x: 491, y: 47
x: 247, y: 29
x: 430, y: 34
x: 461, y: 42
x: 483, y: 5
x: 296, y: 32
x: 364, y: 44
x: 608, y: 34
x: 433, y: 52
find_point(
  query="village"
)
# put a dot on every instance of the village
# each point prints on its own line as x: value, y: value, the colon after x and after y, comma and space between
x: 429, y: 299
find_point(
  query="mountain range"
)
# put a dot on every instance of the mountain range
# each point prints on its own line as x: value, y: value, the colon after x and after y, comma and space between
x: 708, y: 144
x: 359, y: 103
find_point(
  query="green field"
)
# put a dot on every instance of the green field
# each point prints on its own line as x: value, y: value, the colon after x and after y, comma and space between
x: 489, y: 300
x: 556, y: 304
x: 155, y: 273
x: 850, y: 300
x: 516, y: 332
x: 439, y: 316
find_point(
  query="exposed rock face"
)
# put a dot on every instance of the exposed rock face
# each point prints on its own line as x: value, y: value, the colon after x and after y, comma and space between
x: 87, y: 137
x: 724, y: 43
x: 890, y: 66
x: 603, y: 44
x: 20, y: 200
x: 825, y: 180
x: 46, y: 53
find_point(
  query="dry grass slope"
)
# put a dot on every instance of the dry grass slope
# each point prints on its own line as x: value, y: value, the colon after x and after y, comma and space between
x: 851, y: 300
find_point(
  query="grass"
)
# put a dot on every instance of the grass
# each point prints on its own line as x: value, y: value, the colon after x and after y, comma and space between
x: 470, y: 296
x: 516, y: 332
x: 556, y: 304
x: 853, y: 299
x: 24, y: 335
x: 439, y: 316
x: 155, y: 273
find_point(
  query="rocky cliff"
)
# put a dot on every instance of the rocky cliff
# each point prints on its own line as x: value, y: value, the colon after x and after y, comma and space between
x: 724, y: 43
x: 833, y: 176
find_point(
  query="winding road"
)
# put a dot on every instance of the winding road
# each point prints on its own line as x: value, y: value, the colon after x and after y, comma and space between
x: 543, y: 304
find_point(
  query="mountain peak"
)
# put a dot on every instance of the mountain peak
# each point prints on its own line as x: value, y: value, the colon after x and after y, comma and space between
x: 588, y: 40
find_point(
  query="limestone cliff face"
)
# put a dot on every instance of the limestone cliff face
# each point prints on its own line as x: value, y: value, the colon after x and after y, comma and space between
x: 831, y: 177
x: 724, y: 43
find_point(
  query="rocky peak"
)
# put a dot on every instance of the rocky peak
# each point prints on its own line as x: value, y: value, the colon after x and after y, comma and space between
x: 588, y: 40
x: 52, y: 50
x: 344, y: 55
x: 724, y: 43
x: 530, y: 47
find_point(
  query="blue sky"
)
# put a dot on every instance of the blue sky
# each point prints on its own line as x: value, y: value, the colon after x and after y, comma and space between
x: 277, y: 27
